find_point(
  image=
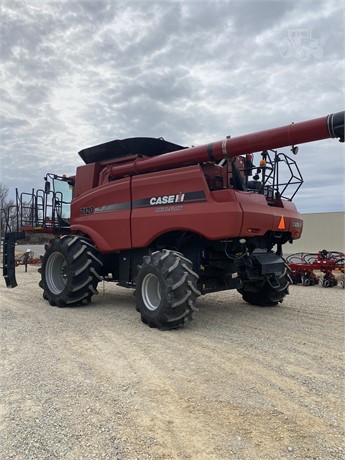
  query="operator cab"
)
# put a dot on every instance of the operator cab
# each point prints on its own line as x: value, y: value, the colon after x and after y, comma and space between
x: 58, y: 192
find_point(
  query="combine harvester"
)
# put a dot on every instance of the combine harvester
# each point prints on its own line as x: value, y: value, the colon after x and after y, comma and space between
x: 171, y: 222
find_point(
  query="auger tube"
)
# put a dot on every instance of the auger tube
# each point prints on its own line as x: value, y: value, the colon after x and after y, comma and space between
x: 330, y: 126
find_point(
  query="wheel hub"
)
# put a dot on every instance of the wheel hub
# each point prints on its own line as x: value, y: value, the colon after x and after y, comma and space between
x: 151, y: 292
x: 56, y: 273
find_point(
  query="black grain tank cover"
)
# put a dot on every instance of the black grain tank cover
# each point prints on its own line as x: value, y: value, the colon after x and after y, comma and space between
x: 142, y: 146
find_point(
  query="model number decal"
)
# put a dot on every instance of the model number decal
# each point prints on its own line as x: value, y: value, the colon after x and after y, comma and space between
x: 87, y: 210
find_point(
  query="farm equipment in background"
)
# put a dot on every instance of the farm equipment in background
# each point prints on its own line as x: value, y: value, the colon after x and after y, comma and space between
x: 24, y: 259
x: 27, y: 258
x: 304, y: 265
x: 171, y: 222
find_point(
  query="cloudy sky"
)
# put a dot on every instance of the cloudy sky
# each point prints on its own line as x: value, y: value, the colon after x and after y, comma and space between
x: 79, y: 73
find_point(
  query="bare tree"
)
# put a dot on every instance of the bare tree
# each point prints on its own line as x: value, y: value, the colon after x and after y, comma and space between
x: 3, y: 192
x: 3, y: 203
x: 3, y: 198
x: 7, y: 211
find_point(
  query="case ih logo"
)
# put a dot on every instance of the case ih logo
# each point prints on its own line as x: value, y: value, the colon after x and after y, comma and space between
x: 166, y: 199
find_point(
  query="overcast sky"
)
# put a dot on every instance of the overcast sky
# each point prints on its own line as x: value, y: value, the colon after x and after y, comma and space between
x: 79, y: 73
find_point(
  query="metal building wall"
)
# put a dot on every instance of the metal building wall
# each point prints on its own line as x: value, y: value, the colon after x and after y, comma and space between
x: 320, y: 231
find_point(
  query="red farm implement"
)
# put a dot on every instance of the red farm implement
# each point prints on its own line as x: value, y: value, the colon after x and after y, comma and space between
x: 27, y: 258
x: 304, y: 265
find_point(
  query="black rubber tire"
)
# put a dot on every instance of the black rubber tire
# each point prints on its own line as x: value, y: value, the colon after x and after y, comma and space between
x: 166, y: 290
x: 70, y: 271
x: 326, y: 283
x: 265, y: 294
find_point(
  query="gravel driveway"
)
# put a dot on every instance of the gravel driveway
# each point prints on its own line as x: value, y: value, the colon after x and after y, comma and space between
x: 239, y: 382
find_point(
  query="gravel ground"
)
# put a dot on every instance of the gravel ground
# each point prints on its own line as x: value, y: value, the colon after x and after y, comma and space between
x: 239, y: 382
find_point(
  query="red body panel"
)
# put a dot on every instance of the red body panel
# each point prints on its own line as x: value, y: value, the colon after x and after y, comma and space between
x: 132, y: 212
x: 258, y: 216
x: 204, y: 215
x: 104, y: 215
x: 86, y: 178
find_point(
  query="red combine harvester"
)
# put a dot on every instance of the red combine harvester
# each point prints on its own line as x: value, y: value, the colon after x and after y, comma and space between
x: 304, y: 265
x: 170, y: 221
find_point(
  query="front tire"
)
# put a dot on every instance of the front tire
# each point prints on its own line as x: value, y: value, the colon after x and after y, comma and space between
x: 267, y: 293
x: 166, y: 290
x: 70, y: 271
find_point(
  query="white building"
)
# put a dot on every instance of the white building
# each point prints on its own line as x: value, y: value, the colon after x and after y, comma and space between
x: 320, y: 231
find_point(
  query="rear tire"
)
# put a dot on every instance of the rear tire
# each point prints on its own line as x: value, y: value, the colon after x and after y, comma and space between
x: 265, y: 293
x: 166, y: 290
x: 70, y: 271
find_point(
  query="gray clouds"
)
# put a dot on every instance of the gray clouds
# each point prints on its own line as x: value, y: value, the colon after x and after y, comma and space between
x: 77, y: 73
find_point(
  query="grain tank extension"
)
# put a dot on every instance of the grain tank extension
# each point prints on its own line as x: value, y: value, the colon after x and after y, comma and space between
x: 169, y: 221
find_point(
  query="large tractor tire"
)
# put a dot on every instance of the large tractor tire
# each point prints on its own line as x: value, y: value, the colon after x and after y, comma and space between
x: 267, y: 293
x: 166, y: 290
x: 70, y: 271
